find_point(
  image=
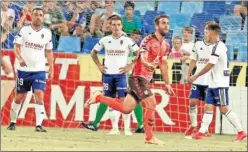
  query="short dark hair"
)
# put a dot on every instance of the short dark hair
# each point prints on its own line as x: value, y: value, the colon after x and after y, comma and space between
x: 136, y: 31
x: 158, y: 17
x: 114, y: 18
x: 214, y: 27
x: 210, y: 23
x: 129, y: 4
x: 37, y: 9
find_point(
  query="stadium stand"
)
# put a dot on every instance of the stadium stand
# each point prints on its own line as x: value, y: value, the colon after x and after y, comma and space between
x: 194, y: 14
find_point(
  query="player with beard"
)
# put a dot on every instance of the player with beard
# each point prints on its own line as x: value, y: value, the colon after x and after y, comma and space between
x: 154, y: 50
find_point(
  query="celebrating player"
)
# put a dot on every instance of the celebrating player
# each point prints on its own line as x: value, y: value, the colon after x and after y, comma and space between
x: 117, y: 49
x: 32, y: 45
x: 200, y: 56
x: 217, y: 94
x: 153, y: 53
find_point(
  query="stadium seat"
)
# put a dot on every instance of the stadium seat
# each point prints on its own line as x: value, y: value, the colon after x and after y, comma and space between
x: 89, y: 43
x: 8, y: 44
x: 230, y: 23
x: 148, y: 21
x: 69, y: 44
x: 198, y: 21
x: 144, y: 6
x: 215, y: 8
x: 242, y: 53
x: 169, y: 7
x: 236, y: 38
x: 179, y: 20
x: 191, y: 7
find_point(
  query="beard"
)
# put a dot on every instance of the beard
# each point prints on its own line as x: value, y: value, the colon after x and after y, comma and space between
x: 163, y: 33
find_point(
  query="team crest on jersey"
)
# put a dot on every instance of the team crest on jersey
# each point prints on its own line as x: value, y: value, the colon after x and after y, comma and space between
x: 121, y: 42
x: 42, y: 35
x: 109, y: 42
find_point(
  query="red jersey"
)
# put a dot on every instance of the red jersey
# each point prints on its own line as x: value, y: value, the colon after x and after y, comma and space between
x: 156, y: 50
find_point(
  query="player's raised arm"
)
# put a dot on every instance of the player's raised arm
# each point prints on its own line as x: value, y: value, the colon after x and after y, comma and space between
x: 98, y: 47
x: 49, y: 55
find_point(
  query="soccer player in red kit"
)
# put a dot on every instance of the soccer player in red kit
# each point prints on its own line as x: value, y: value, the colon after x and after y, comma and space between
x: 153, y: 52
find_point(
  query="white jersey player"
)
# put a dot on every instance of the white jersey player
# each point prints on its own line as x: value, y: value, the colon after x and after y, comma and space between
x: 117, y: 48
x: 32, y: 45
x: 199, y: 57
x: 217, y: 94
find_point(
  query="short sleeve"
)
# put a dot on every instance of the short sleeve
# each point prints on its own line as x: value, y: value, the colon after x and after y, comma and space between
x: 193, y: 55
x: 19, y: 37
x: 99, y: 45
x: 144, y: 45
x: 49, y: 45
x: 216, y: 52
x: 133, y: 46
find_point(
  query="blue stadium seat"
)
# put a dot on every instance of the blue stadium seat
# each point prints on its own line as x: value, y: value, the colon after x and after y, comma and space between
x: 136, y: 12
x: 148, y: 21
x: 144, y: 6
x: 89, y: 43
x: 69, y: 44
x: 242, y: 53
x: 191, y: 7
x: 230, y: 53
x: 215, y: 8
x: 236, y: 38
x: 179, y: 20
x: 198, y: 21
x: 230, y: 23
x: 169, y: 7
x: 8, y: 44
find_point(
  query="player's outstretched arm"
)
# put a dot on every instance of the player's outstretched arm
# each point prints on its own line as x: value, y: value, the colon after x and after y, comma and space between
x: 202, y: 72
x: 17, y: 52
x: 49, y: 55
x: 163, y: 66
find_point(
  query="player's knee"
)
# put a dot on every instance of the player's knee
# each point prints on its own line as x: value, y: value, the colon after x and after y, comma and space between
x: 193, y: 103
x: 127, y: 110
x: 39, y: 96
x: 19, y: 98
x: 224, y: 109
x: 208, y: 107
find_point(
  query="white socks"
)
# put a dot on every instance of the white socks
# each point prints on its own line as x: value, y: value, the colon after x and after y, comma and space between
x: 193, y: 115
x: 127, y: 121
x: 233, y: 119
x: 39, y: 112
x: 15, y: 108
x: 206, y: 120
x: 114, y: 116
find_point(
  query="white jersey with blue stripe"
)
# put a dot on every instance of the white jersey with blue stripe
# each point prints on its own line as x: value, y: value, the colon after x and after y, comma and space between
x: 219, y: 74
x: 201, y: 54
x: 33, y: 45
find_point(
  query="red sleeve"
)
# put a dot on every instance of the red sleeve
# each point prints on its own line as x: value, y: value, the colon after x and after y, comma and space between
x: 144, y: 45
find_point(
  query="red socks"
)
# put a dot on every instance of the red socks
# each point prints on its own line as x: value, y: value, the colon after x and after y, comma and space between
x: 149, y: 118
x: 111, y: 102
